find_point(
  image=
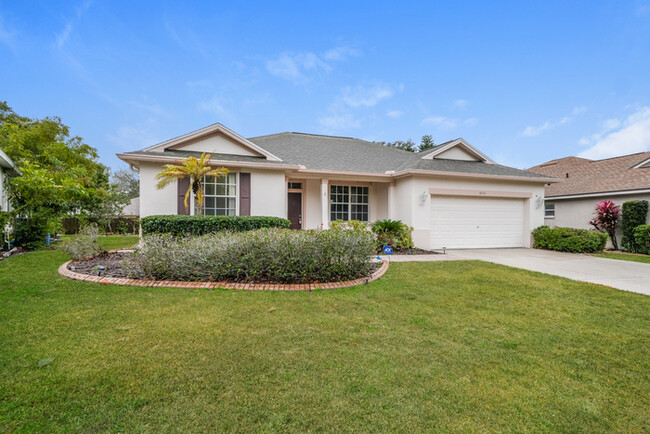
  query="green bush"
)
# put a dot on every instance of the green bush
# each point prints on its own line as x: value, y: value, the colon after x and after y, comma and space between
x: 642, y: 239
x: 355, y: 225
x: 83, y: 245
x: 31, y: 232
x: 569, y: 239
x: 264, y: 255
x: 393, y: 233
x: 184, y: 225
x: 635, y: 213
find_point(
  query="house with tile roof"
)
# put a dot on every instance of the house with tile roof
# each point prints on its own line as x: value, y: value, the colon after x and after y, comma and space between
x: 572, y: 202
x: 453, y: 195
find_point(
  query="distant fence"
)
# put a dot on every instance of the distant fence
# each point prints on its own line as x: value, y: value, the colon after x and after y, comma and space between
x: 115, y: 225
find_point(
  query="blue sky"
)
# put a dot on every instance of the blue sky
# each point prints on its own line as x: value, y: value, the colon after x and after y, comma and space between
x: 524, y: 82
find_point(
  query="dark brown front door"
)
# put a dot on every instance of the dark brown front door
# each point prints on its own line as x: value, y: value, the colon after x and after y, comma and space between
x: 295, y: 210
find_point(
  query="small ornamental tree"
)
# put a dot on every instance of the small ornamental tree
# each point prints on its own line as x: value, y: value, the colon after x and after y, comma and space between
x: 194, y: 169
x: 606, y: 220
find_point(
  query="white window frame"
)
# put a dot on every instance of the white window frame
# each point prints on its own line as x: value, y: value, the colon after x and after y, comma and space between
x: 546, y: 210
x: 205, y: 196
x: 349, y: 202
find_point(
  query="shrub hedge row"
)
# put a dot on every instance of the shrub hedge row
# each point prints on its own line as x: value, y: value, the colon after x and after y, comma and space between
x: 642, y: 239
x: 265, y: 255
x: 635, y: 213
x: 569, y: 239
x: 184, y: 225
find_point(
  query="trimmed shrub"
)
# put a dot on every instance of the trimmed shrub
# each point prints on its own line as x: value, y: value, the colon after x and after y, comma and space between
x: 184, y: 225
x: 393, y: 233
x: 265, y: 255
x: 355, y: 225
x: 569, y: 240
x: 83, y: 245
x: 635, y: 213
x: 642, y: 238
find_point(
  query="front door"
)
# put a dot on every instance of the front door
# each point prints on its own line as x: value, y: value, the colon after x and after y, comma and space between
x: 294, y: 211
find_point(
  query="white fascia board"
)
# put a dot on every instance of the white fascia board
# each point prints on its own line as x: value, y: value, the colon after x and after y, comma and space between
x: 602, y: 193
x: 641, y: 164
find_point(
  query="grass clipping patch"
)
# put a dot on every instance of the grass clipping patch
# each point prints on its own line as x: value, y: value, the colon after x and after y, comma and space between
x: 265, y: 255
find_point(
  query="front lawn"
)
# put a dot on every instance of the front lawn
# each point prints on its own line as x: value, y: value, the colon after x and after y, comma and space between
x: 625, y: 257
x: 464, y: 346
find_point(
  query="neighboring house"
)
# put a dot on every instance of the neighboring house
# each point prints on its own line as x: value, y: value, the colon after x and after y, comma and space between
x: 132, y: 209
x: 572, y: 203
x: 452, y: 195
x: 6, y: 166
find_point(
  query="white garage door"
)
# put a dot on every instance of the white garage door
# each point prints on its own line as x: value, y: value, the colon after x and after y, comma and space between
x: 476, y: 222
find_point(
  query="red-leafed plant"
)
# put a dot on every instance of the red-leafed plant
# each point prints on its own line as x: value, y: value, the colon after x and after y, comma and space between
x: 606, y: 220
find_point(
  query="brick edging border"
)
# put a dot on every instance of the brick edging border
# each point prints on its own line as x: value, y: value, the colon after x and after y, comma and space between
x: 66, y: 272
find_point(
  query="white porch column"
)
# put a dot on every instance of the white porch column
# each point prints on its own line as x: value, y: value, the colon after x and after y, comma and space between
x: 391, y: 200
x: 324, y: 203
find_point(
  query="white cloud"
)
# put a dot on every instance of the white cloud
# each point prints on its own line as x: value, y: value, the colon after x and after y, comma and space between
x: 532, y: 130
x: 137, y: 136
x: 340, y: 121
x: 341, y: 53
x: 620, y: 138
x: 363, y: 96
x: 62, y: 37
x: 447, y: 122
x: 294, y: 67
x: 460, y: 104
x: 214, y: 106
x: 395, y: 114
x: 7, y: 36
x: 198, y: 83
x: 299, y: 67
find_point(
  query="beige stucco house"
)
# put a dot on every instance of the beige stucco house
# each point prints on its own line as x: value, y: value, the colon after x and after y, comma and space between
x: 453, y: 195
x: 572, y: 202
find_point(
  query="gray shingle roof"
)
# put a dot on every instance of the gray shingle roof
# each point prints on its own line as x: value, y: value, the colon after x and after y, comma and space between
x: 356, y: 155
x: 346, y: 154
x: 332, y: 153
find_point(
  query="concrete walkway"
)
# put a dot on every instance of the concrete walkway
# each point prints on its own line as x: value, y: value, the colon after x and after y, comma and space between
x: 624, y: 275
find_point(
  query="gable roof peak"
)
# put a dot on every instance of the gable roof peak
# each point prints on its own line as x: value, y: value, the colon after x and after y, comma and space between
x: 205, y: 131
x: 460, y: 142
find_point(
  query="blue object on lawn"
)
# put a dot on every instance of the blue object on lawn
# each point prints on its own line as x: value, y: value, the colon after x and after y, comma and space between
x: 388, y: 250
x: 47, y: 240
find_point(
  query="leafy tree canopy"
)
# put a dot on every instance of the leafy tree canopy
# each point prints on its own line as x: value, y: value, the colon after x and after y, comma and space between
x: 126, y: 182
x: 59, y: 173
x: 410, y: 146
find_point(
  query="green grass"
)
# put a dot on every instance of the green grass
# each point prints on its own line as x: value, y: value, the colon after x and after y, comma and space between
x: 625, y: 257
x: 462, y: 346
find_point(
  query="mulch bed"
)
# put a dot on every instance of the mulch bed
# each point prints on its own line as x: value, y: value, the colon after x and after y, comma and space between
x: 111, y: 261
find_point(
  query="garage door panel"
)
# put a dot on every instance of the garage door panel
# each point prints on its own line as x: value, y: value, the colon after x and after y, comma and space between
x: 462, y: 222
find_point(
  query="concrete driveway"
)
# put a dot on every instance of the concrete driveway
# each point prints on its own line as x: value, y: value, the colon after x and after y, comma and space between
x: 625, y: 275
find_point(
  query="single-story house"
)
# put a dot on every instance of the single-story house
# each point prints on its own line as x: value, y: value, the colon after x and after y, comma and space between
x: 132, y: 209
x: 572, y: 203
x: 6, y: 166
x: 453, y: 195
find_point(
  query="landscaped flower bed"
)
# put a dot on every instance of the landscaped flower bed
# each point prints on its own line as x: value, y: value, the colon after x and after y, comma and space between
x: 267, y: 256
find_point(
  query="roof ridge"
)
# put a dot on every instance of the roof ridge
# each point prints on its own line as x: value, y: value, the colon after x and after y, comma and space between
x: 620, y: 156
x: 306, y: 134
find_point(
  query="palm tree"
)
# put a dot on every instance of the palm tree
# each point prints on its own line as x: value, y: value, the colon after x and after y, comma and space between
x: 194, y: 169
